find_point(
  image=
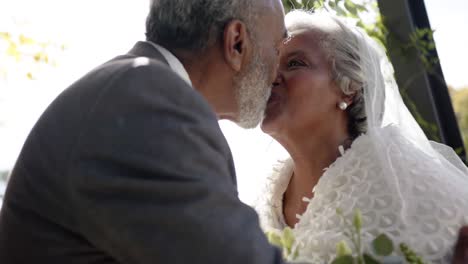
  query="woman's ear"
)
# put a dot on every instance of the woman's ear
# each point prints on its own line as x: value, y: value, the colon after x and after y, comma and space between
x: 236, y: 44
x: 349, y: 99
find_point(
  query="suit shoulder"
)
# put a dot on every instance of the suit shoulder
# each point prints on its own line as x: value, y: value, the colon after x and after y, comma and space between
x: 155, y: 81
x: 133, y: 64
x: 151, y: 71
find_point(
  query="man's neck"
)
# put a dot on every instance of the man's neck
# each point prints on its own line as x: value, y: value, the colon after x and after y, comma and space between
x: 174, y: 62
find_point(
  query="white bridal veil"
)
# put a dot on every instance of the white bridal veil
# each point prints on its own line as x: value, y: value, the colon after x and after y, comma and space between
x: 385, y: 108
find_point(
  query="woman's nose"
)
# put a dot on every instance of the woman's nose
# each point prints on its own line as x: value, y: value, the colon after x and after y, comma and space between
x: 278, y: 79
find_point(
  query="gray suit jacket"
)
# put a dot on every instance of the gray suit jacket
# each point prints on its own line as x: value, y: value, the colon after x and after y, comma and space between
x: 128, y: 165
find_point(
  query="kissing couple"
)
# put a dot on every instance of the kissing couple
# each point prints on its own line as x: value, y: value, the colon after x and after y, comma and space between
x: 129, y: 165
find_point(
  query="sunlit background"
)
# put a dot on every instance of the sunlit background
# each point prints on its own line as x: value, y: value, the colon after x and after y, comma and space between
x: 79, y: 35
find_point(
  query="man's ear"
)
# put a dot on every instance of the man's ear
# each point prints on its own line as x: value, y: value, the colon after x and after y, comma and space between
x: 236, y: 43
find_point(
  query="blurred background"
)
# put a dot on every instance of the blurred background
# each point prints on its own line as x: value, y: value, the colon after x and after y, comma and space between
x: 47, y: 45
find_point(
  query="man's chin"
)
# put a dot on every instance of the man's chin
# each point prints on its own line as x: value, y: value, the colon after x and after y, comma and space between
x: 249, y: 121
x: 248, y: 124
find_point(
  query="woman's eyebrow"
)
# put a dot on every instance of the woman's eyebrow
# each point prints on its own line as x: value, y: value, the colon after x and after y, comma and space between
x: 296, y: 53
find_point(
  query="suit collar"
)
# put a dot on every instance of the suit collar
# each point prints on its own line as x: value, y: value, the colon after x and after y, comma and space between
x: 145, y: 49
x: 155, y: 51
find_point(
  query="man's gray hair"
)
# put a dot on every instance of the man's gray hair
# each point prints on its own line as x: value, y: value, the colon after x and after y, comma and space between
x: 194, y: 25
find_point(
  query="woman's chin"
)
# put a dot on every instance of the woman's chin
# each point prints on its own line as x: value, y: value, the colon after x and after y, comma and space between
x: 268, y: 123
x: 271, y: 118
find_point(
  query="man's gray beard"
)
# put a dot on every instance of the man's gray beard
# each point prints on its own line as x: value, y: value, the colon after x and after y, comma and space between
x: 253, y: 91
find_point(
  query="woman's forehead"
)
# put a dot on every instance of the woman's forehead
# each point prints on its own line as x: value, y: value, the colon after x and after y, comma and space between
x: 298, y: 20
x: 304, y: 39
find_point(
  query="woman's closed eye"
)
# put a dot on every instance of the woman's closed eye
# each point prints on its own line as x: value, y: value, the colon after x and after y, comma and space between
x: 295, y: 63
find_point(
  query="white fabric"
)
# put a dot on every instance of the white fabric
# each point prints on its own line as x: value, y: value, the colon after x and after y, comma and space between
x: 174, y: 63
x: 414, y: 190
x: 437, y: 208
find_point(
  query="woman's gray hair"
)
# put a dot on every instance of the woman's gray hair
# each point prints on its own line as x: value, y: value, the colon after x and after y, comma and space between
x: 194, y: 25
x: 342, y: 47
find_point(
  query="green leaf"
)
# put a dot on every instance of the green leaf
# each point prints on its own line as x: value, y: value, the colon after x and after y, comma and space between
x: 318, y: 5
x: 274, y: 239
x: 410, y: 255
x: 351, y: 7
x: 339, y: 211
x: 342, y: 249
x: 348, y: 259
x: 288, y: 238
x: 361, y: 24
x: 431, y: 46
x: 361, y: 8
x: 291, y: 4
x: 383, y: 245
x: 421, y: 32
x: 340, y: 11
x: 368, y: 259
x: 357, y: 219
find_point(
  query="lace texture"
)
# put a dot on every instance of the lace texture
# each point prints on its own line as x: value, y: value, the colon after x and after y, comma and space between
x: 421, y: 208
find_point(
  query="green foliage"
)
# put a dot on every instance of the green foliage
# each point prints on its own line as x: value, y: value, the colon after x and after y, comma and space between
x: 284, y: 240
x: 348, y: 259
x: 342, y: 249
x: 357, y: 220
x: 430, y: 129
x: 383, y: 245
x: 346, y: 8
x: 306, y: 5
x: 410, y: 255
x: 369, y: 259
x: 460, y: 105
x: 423, y: 41
x: 383, y: 250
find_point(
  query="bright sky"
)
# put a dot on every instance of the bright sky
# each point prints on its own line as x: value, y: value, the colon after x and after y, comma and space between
x: 96, y: 31
x: 450, y: 21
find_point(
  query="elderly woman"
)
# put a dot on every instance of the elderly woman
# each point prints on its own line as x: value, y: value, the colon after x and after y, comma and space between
x: 335, y: 107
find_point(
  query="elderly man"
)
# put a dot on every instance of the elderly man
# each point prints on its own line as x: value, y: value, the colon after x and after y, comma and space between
x: 129, y: 165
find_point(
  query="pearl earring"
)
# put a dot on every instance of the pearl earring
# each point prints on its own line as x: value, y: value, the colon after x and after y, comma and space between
x: 343, y: 105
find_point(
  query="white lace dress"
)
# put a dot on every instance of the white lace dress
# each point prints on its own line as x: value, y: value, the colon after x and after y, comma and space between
x: 356, y: 180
